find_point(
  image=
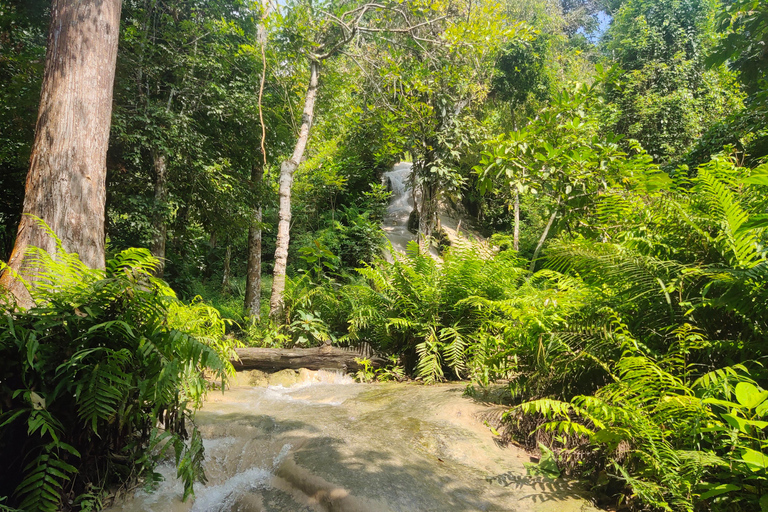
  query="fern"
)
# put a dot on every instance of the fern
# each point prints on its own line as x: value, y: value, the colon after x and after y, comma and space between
x: 92, y: 369
x: 430, y: 367
x: 43, y: 481
x: 454, y: 348
x: 741, y: 243
x: 101, y: 385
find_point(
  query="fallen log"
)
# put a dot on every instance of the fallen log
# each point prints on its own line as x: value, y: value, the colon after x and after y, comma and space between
x: 323, y: 358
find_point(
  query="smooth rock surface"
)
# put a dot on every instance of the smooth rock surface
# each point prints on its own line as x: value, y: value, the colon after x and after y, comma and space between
x: 327, y: 444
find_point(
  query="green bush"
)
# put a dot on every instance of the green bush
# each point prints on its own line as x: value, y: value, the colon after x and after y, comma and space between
x: 676, y: 321
x: 100, y: 380
x: 474, y: 314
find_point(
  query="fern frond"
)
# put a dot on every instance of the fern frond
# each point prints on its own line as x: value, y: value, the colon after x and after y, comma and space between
x: 454, y: 348
x: 44, y: 477
x: 101, y: 384
x: 430, y: 366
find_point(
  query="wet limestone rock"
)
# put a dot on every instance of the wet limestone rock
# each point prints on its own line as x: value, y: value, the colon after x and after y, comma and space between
x: 251, y: 378
x: 285, y: 378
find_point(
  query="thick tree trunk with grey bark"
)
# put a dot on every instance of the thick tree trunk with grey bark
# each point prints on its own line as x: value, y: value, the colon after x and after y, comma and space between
x: 66, y: 181
x: 253, y: 271
x: 158, y: 218
x: 287, y: 169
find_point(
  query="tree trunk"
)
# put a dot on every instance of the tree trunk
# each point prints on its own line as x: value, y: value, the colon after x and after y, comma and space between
x: 253, y: 272
x: 227, y: 260
x: 427, y: 216
x: 516, y: 234
x: 287, y: 168
x: 158, y: 217
x: 326, y: 357
x: 66, y: 180
x: 541, y: 241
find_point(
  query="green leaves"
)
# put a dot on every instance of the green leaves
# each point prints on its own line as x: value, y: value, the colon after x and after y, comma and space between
x: 717, y: 490
x: 750, y: 396
x: 43, y: 482
x: 547, y: 465
x: 562, y: 154
x: 95, y: 366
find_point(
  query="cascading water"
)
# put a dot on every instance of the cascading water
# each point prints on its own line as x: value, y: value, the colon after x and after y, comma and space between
x: 395, y: 223
x: 316, y: 441
x: 327, y: 444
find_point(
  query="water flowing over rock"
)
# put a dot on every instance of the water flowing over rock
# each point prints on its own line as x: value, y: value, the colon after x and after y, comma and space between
x: 325, y: 443
x: 401, y: 206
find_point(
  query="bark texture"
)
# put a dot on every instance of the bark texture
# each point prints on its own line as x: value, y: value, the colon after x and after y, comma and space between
x: 158, y: 219
x: 65, y: 185
x: 275, y: 359
x: 253, y: 271
x: 227, y: 260
x: 516, y: 236
x: 287, y: 169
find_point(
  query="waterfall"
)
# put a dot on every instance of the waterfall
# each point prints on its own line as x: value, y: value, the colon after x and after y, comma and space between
x: 395, y: 224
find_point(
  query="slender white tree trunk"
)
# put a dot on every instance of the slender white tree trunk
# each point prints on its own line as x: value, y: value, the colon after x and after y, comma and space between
x: 227, y: 260
x: 516, y: 234
x: 158, y: 219
x: 541, y: 241
x: 287, y: 169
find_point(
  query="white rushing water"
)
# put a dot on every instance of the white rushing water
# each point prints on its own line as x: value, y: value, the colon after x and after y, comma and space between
x: 395, y: 224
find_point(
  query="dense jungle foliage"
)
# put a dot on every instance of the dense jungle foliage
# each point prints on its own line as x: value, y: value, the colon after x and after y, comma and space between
x: 608, y: 155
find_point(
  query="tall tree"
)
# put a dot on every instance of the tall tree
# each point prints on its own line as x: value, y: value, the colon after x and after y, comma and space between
x: 663, y: 96
x: 65, y: 185
x: 252, y: 301
x: 440, y: 82
x: 186, y: 129
x: 287, y: 169
x: 319, y: 34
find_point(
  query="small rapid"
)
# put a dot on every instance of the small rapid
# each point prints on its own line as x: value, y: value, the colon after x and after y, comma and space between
x: 324, y: 443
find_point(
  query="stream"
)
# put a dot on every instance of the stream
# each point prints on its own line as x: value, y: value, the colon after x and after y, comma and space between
x: 320, y: 442
x: 298, y: 441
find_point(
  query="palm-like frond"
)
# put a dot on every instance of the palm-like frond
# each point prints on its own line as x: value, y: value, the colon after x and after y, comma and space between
x: 94, y: 367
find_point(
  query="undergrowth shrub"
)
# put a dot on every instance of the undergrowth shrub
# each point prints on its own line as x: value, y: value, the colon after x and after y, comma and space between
x: 676, y: 442
x: 473, y: 315
x: 315, y: 313
x: 100, y: 380
x: 680, y: 272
